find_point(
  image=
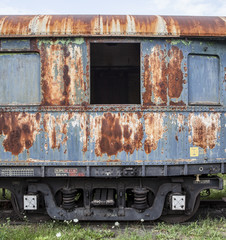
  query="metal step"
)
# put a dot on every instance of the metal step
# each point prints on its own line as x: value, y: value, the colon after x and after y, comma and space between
x: 103, y: 197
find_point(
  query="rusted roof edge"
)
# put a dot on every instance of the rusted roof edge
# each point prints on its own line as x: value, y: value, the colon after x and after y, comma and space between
x: 111, y: 25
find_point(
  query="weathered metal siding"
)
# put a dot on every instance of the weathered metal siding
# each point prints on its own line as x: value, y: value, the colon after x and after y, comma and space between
x: 206, y: 90
x: 165, y: 70
x: 20, y: 78
x: 127, y: 25
x: 164, y: 73
x: 110, y: 138
x: 66, y: 130
x: 64, y: 72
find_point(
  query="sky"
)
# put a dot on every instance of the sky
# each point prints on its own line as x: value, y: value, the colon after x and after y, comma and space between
x: 133, y: 7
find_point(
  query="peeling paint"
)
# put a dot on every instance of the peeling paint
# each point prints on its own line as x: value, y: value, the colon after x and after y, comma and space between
x: 79, y: 41
x: 178, y: 41
x: 175, y: 75
x: 113, y: 133
x: 158, y: 75
x: 154, y: 129
x: 19, y: 131
x: 56, y: 129
x: 204, y: 129
x: 163, y: 76
x: 62, y: 62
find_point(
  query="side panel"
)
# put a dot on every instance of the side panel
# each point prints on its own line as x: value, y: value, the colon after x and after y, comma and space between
x: 111, y: 138
x: 64, y: 71
x: 66, y: 130
x: 203, y: 82
x: 19, y: 78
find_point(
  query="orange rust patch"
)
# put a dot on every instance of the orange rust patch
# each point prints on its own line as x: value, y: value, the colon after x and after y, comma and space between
x: 158, y: 72
x: 162, y: 77
x: 114, y: 160
x: 20, y: 130
x: 204, y: 128
x: 154, y: 129
x: 194, y: 26
x: 180, y: 103
x: 147, y: 81
x: 62, y: 74
x: 113, y: 133
x: 51, y: 25
x: 158, y: 75
x: 175, y: 75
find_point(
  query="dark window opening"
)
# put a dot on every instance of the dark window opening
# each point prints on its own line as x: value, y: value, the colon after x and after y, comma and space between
x: 115, y: 73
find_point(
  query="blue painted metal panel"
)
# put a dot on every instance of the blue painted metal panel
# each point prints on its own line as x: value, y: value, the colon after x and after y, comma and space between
x: 13, y: 44
x: 163, y: 129
x: 19, y: 78
x: 178, y: 137
x: 78, y: 138
x: 203, y: 79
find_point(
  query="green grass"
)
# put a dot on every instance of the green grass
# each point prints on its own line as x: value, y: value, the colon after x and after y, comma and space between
x: 7, y: 194
x: 49, y: 231
x: 203, y: 229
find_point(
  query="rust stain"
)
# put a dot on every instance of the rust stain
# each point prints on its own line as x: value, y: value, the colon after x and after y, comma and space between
x: 179, y: 103
x: 20, y: 130
x: 114, y: 160
x: 147, y: 81
x: 154, y: 129
x: 34, y: 45
x: 181, y: 123
x: 56, y: 129
x: 163, y: 77
x: 194, y: 26
x: 180, y: 120
x: 113, y: 133
x: 85, y: 127
x: 203, y: 129
x: 175, y: 75
x: 74, y: 25
x: 155, y: 78
x: 62, y: 62
x: 158, y: 73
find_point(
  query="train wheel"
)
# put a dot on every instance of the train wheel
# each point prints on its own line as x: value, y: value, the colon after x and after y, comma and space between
x: 179, y: 218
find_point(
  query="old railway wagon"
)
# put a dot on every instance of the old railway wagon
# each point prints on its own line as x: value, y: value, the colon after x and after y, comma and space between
x: 112, y: 117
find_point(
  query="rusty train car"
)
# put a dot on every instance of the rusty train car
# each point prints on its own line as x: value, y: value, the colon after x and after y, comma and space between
x: 112, y: 117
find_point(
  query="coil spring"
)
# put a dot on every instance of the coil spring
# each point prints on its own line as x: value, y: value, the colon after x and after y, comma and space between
x: 140, y: 198
x: 68, y: 198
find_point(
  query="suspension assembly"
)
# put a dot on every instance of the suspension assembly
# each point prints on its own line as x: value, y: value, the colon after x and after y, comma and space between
x: 68, y: 196
x: 140, y: 198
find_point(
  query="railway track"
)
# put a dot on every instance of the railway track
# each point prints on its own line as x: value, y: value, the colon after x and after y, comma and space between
x: 208, y: 208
